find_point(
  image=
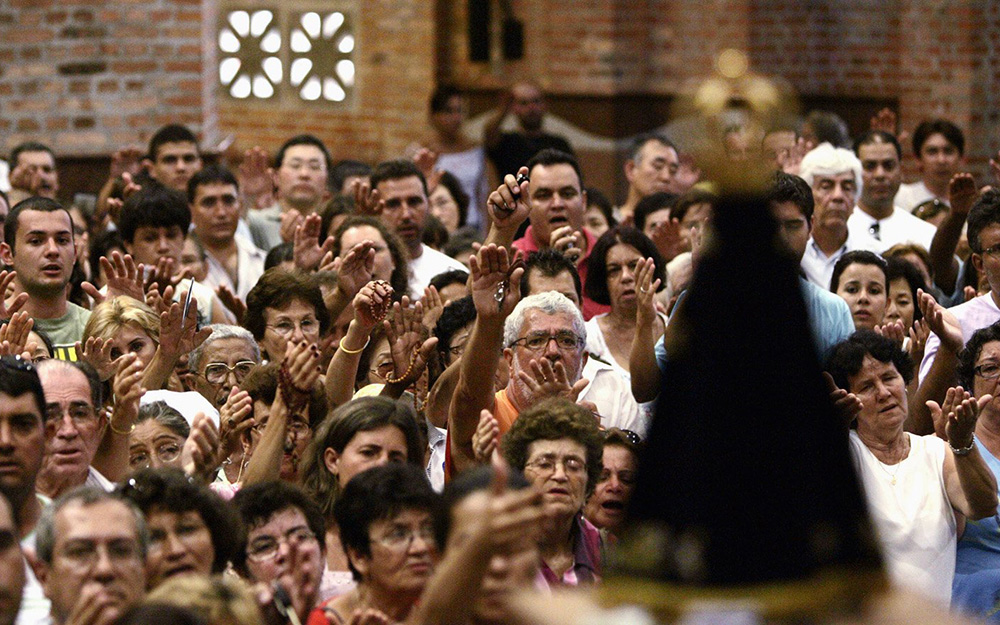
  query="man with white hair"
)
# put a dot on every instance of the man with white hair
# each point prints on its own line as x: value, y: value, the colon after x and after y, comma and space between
x: 542, y: 338
x: 834, y: 174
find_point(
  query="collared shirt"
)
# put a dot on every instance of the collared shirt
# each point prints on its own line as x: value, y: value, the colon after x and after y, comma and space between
x: 249, y: 268
x: 527, y: 244
x: 818, y: 267
x: 899, y: 227
x: 612, y: 395
x: 975, y: 314
x: 586, y: 569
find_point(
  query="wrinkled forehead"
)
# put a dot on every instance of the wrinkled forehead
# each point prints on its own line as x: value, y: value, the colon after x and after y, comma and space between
x: 228, y: 351
x: 63, y: 383
x: 536, y: 319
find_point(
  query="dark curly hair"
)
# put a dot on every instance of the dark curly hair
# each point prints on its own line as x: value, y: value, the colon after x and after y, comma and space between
x: 846, y: 358
x: 262, y: 385
x: 985, y: 212
x: 970, y: 354
x: 169, y: 490
x: 554, y: 419
x: 596, y: 286
x: 276, y: 289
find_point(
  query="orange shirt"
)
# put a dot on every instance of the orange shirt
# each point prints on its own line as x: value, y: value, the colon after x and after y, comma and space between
x: 504, y: 412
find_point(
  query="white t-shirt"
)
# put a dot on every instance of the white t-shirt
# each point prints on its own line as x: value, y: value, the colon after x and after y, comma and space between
x: 912, y: 193
x: 973, y: 315
x: 900, y: 227
x: 429, y: 264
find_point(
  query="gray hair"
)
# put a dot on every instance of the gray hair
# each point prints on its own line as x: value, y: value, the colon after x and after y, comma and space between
x: 45, y: 536
x: 826, y: 160
x: 549, y: 302
x: 161, y: 412
x: 222, y: 331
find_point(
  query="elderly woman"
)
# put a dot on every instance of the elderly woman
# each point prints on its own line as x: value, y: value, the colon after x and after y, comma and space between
x: 285, y: 306
x: 363, y: 433
x: 158, y: 437
x: 917, y: 487
x: 386, y: 527
x: 191, y: 530
x: 860, y: 279
x: 557, y: 445
x: 977, y: 564
x: 606, y: 505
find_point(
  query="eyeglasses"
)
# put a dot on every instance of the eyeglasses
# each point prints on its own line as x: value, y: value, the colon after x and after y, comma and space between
x: 537, y: 341
x: 383, y: 370
x: 81, y: 414
x: 265, y: 548
x: 165, y: 453
x: 297, y: 428
x: 546, y: 465
x: 286, y: 327
x: 217, y: 372
x: 84, y: 554
x: 991, y: 251
x: 988, y: 370
x: 399, y: 538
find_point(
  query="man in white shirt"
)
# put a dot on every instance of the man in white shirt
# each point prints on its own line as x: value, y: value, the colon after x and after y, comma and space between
x: 939, y: 147
x: 834, y: 174
x: 403, y: 206
x: 875, y: 214
x: 979, y: 312
x: 232, y: 261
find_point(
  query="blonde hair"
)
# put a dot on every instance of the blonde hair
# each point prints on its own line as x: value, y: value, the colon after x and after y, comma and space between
x: 219, y: 599
x: 111, y: 316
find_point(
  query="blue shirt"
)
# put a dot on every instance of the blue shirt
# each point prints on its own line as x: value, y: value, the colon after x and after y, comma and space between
x: 976, y: 587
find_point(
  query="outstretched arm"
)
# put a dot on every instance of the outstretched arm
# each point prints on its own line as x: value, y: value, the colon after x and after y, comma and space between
x: 642, y: 359
x: 482, y: 352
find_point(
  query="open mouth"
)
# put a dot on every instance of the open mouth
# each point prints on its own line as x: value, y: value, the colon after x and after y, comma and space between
x: 613, y: 505
x: 52, y: 268
x: 182, y: 569
x: 558, y: 221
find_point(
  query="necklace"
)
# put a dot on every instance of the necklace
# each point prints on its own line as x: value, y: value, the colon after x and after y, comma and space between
x: 892, y: 474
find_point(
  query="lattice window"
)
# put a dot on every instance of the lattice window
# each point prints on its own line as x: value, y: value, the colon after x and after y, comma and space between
x: 316, y: 47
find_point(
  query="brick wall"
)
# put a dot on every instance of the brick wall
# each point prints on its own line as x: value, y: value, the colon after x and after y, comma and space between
x: 87, y: 76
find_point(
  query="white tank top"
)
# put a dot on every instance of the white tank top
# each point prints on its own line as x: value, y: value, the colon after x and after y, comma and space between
x: 913, y: 517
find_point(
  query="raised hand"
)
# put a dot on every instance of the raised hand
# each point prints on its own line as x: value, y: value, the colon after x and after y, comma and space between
x: 290, y: 220
x: 97, y: 352
x: 568, y: 242
x: 355, y: 268
x: 433, y: 307
x: 508, y: 205
x: 176, y: 340
x: 884, y: 120
x: 646, y: 289
x: 918, y: 340
x: 893, y: 331
x: 791, y: 160
x: 486, y: 437
x: 307, y: 251
x: 939, y: 413
x: 232, y: 302
x: 374, y: 296
x: 202, y: 451
x: 548, y: 380
x: 367, y: 201
x: 235, y: 417
x: 491, y: 269
x: 124, y: 278
x: 410, y: 351
x: 425, y: 160
x: 847, y: 404
x: 16, y: 331
x: 127, y: 161
x: 302, y: 363
x: 159, y: 303
x: 941, y: 322
x: 962, y: 194
x: 128, y: 390
x: 668, y: 239
x: 6, y: 287
x: 163, y: 275
x: 962, y: 419
x: 256, y: 178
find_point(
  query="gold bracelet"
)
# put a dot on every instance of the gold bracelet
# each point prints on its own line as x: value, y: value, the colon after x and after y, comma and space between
x: 111, y: 424
x: 340, y: 346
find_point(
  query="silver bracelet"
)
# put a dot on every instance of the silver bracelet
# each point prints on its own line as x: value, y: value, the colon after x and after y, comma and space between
x: 964, y: 451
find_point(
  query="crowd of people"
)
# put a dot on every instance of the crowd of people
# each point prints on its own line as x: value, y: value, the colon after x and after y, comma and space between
x: 304, y: 391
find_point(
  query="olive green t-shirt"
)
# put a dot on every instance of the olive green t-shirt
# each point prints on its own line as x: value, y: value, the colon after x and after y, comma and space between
x: 65, y: 331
